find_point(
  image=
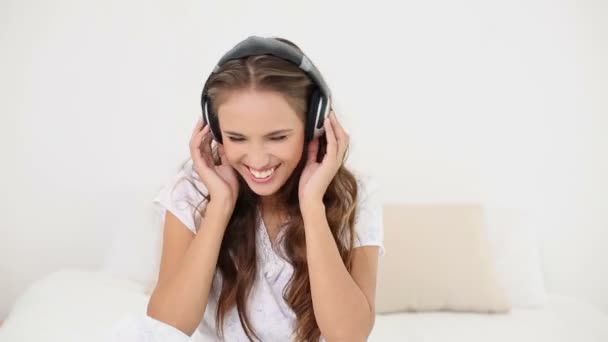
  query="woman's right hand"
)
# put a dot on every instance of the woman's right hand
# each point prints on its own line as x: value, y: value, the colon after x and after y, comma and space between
x: 221, y: 180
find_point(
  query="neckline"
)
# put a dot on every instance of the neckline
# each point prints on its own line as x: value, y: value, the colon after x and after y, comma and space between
x: 264, y: 229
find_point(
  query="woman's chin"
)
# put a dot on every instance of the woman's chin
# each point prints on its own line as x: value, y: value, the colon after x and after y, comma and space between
x: 263, y: 189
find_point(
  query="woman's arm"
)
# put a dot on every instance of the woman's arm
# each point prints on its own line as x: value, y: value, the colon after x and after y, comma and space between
x: 343, y: 303
x: 180, y: 297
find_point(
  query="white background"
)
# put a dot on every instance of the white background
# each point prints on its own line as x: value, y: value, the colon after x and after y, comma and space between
x: 499, y: 102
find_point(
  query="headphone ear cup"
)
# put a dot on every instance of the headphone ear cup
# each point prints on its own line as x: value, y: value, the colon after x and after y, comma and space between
x: 214, y: 124
x: 313, y: 111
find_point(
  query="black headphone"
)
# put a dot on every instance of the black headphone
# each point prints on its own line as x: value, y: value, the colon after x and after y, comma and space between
x: 319, y: 104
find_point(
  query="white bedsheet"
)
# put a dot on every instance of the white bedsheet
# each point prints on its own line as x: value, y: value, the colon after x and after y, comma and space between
x: 561, y: 319
x: 78, y: 305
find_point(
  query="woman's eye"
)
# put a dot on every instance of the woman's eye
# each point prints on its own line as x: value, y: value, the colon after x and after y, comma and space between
x: 279, y: 138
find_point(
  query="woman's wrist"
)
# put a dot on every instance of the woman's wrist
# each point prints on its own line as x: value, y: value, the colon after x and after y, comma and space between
x: 222, y: 209
x: 312, y: 207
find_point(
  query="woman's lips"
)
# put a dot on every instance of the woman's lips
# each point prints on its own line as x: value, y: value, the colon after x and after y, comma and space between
x: 267, y: 176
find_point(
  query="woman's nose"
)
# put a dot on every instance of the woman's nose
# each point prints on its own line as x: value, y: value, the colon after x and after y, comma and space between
x: 259, y: 163
x: 258, y: 159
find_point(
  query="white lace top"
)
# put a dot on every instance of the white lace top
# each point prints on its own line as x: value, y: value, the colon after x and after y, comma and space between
x: 270, y: 315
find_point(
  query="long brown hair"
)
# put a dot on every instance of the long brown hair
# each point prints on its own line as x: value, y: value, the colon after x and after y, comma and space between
x: 237, y: 257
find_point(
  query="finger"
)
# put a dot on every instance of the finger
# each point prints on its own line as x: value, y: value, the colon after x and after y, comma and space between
x: 197, y: 127
x: 195, y: 152
x: 205, y: 149
x: 313, y: 150
x: 223, y: 157
x: 197, y: 138
x: 340, y: 132
x: 195, y: 146
x: 341, y: 136
x: 332, y: 148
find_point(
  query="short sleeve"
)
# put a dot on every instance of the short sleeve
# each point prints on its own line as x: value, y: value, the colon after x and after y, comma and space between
x: 181, y: 196
x: 369, y: 225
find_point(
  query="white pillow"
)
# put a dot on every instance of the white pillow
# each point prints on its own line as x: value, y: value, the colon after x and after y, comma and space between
x: 72, y: 305
x: 134, y: 252
x: 512, y: 235
x: 437, y: 259
x: 512, y: 250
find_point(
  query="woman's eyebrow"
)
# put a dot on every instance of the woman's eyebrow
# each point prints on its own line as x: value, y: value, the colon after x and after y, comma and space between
x: 280, y: 131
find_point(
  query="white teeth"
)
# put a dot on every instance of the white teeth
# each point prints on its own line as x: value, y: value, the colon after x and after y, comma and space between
x: 262, y: 175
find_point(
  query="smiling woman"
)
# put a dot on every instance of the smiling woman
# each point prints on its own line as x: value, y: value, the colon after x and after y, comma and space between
x: 277, y: 243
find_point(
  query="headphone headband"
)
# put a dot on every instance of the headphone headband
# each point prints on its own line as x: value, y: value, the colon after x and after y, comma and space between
x: 254, y: 46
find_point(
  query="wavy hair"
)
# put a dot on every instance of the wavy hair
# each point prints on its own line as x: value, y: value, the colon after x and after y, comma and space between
x: 237, y: 257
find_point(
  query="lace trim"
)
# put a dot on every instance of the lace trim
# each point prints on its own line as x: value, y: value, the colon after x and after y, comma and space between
x: 270, y: 262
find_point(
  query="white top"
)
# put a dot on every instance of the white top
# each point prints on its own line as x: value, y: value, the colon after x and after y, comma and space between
x: 270, y: 315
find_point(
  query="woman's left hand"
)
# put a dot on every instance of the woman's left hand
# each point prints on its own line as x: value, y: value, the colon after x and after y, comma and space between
x: 316, y: 176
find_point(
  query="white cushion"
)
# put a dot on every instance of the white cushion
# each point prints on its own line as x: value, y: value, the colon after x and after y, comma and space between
x: 438, y: 258
x: 417, y: 258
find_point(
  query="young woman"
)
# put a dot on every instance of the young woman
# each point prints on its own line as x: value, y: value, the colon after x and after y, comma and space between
x: 267, y: 235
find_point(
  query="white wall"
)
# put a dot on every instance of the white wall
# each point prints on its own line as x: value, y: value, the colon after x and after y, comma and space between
x: 499, y: 102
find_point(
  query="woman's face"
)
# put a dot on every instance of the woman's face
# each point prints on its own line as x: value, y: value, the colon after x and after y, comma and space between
x: 263, y: 138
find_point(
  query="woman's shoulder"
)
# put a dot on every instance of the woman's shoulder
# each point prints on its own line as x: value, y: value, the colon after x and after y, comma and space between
x: 369, y: 213
x: 367, y: 185
x: 183, y: 194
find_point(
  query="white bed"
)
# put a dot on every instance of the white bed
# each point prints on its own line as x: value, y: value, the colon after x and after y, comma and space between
x: 561, y: 319
x: 79, y: 305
